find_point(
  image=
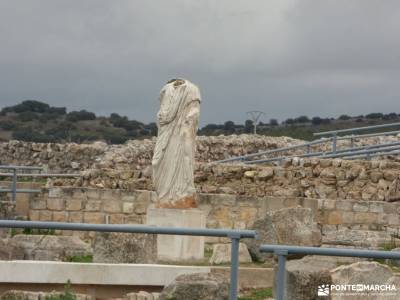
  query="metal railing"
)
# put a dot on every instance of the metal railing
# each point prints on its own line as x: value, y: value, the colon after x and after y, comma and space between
x: 371, y: 150
x: 234, y: 235
x: 13, y: 189
x: 334, y: 137
x: 282, y: 251
x: 334, y: 133
x: 14, y: 174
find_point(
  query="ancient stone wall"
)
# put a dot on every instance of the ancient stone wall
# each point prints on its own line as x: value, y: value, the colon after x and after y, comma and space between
x: 133, y: 155
x: 310, y: 178
x: 222, y: 211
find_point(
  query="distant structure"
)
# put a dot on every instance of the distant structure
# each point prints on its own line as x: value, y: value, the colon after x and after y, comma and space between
x: 255, y: 116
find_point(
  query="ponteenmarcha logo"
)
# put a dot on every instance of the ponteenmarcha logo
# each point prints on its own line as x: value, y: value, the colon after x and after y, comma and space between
x: 323, y: 290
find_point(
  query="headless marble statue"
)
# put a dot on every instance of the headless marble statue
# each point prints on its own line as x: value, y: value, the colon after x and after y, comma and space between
x: 173, y: 160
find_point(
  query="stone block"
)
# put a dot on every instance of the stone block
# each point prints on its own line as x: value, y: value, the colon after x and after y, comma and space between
x: 117, y: 219
x: 22, y: 205
x: 93, y: 205
x: 205, y: 286
x: 335, y: 217
x: 60, y: 216
x: 55, y: 192
x: 75, y: 217
x: 376, y: 207
x: 94, y: 217
x: 125, y: 248
x: 175, y: 247
x: 393, y: 219
x: 110, y: 206
x: 92, y: 194
x: 127, y: 207
x: 360, y: 207
x: 34, y: 215
x: 45, y: 215
x: 222, y: 254
x: 110, y: 195
x: 365, y: 217
x: 38, y: 203
x: 348, y: 217
x: 73, y: 204
x: 303, y: 276
x: 55, y: 203
x: 345, y: 205
x: 329, y: 204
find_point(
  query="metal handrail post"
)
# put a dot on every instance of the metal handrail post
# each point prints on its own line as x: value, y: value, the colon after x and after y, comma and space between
x: 14, y: 186
x: 308, y: 148
x: 280, y: 282
x: 334, y: 142
x: 235, y: 240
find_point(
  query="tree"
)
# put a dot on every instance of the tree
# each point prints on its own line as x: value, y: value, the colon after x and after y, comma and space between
x: 81, y: 115
x: 344, y: 117
x: 374, y: 116
x: 289, y: 121
x: 302, y: 119
x: 248, y: 126
x: 316, y: 121
x: 273, y: 122
x: 229, y: 127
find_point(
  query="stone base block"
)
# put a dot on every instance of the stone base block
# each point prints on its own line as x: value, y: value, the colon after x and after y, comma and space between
x: 178, y: 247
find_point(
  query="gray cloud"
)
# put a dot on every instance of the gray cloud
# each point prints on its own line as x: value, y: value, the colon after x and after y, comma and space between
x: 284, y: 57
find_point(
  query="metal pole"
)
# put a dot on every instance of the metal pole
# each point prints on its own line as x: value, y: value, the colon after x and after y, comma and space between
x: 235, y: 239
x: 280, y: 288
x: 334, y: 140
x: 14, y: 185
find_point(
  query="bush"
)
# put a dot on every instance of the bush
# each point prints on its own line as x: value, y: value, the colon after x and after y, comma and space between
x: 81, y: 115
x: 344, y: 117
x: 27, y: 116
x: 374, y: 116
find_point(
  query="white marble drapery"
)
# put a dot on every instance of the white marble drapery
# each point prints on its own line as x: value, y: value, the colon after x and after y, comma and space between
x: 173, y: 159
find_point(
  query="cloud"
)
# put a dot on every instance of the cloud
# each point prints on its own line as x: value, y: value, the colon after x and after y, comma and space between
x: 284, y: 57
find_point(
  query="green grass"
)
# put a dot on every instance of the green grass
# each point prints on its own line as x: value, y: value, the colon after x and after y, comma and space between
x: 256, y: 294
x: 67, y: 295
x: 80, y: 258
x: 31, y: 231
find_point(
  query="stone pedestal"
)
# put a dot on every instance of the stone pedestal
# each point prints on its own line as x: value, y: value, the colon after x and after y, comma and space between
x: 178, y: 247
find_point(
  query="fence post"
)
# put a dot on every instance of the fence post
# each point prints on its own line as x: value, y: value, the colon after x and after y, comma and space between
x: 280, y: 283
x: 334, y: 140
x: 308, y: 148
x: 14, y: 186
x: 235, y: 239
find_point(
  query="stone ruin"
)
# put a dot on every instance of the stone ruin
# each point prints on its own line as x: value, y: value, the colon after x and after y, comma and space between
x: 335, y: 202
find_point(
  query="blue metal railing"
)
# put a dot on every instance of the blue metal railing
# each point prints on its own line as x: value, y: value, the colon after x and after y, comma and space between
x: 282, y: 251
x: 13, y: 189
x: 14, y: 174
x: 333, y: 138
x: 234, y: 235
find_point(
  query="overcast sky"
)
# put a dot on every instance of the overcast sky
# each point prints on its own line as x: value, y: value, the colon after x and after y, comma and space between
x: 284, y: 57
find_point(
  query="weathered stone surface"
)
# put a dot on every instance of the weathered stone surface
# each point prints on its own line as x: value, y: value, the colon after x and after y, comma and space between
x: 289, y: 226
x: 50, y: 247
x: 24, y: 295
x: 369, y: 273
x: 125, y: 248
x: 303, y: 276
x: 222, y: 254
x: 205, y: 286
x: 371, y: 239
x: 10, y: 250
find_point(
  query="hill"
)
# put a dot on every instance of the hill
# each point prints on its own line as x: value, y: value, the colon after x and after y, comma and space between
x: 36, y: 121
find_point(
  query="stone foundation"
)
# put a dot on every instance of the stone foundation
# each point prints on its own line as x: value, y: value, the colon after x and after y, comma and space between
x: 222, y: 211
x: 178, y: 247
